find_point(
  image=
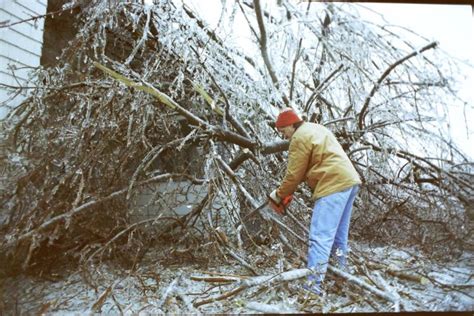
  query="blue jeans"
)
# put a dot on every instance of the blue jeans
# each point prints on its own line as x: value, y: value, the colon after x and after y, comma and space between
x: 329, y: 231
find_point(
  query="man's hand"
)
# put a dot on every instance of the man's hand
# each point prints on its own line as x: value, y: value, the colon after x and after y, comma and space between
x: 278, y: 204
x: 274, y: 197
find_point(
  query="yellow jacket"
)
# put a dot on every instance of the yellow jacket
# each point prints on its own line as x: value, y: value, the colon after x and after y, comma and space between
x: 315, y: 156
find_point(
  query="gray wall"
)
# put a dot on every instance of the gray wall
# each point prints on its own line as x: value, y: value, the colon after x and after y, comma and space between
x: 172, y: 198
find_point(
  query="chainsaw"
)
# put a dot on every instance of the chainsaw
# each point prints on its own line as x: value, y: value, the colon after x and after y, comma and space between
x: 278, y: 208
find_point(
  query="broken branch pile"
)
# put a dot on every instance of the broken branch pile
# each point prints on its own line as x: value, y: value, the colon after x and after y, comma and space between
x: 147, y: 96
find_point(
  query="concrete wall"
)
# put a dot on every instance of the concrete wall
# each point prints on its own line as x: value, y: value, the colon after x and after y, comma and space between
x: 176, y: 198
x: 20, y: 45
x: 171, y: 198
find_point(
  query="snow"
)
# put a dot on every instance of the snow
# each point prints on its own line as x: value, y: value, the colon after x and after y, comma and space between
x: 157, y: 288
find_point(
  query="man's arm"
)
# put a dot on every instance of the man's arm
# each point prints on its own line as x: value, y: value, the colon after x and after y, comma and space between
x: 299, y: 156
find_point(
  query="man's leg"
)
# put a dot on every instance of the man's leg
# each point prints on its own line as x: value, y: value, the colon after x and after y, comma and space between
x: 327, y: 213
x: 339, y: 248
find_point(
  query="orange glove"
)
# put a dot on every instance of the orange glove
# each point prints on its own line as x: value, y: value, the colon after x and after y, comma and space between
x: 278, y: 204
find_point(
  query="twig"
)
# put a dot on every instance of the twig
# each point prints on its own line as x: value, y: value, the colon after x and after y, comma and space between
x: 169, y: 290
x: 97, y: 306
x: 241, y: 260
x: 215, y: 279
x: 293, y: 71
x: 220, y: 297
x: 376, y: 86
x: 187, y: 302
x: 4, y: 24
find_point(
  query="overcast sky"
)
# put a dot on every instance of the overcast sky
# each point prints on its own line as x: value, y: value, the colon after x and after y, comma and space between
x: 453, y: 27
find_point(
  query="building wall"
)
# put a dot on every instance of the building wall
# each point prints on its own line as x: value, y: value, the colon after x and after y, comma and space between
x: 20, y: 45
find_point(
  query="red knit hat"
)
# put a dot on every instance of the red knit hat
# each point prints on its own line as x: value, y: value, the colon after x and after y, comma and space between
x: 287, y: 117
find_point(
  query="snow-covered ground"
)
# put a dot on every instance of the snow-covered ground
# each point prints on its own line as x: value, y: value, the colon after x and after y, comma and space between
x: 163, y: 286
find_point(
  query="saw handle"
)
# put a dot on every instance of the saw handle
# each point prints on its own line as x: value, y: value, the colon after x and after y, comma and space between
x: 280, y: 207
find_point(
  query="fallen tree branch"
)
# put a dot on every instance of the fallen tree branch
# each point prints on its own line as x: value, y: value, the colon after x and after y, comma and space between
x: 222, y: 279
x: 168, y: 101
x: 241, y: 260
x: 362, y: 284
x: 398, y: 273
x: 220, y: 297
x: 387, y: 288
x: 169, y: 290
x: 247, y: 283
x: 187, y: 302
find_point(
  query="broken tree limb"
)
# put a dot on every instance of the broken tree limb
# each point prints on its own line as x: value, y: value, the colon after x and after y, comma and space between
x: 362, y: 284
x: 240, y: 260
x: 220, y: 297
x: 220, y: 274
x: 187, y: 302
x: 217, y: 279
x: 241, y: 158
x: 169, y: 290
x: 275, y: 147
x: 399, y: 273
x: 168, y: 101
x: 259, y: 280
x: 387, y: 288
x: 276, y: 278
x: 265, y: 149
x: 256, y: 281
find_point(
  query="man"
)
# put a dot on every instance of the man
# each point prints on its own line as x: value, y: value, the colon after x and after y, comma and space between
x: 315, y: 156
